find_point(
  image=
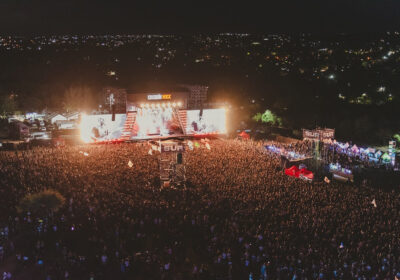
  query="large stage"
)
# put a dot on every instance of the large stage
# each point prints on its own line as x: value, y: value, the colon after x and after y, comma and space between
x: 156, y: 122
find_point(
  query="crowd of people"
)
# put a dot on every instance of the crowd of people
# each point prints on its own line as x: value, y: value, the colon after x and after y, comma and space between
x: 239, y: 217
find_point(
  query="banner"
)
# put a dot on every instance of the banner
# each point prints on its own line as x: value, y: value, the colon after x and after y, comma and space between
x: 172, y: 147
x: 319, y: 134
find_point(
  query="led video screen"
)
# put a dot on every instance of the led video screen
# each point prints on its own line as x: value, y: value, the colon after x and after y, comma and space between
x: 208, y: 121
x: 156, y: 122
x: 98, y: 128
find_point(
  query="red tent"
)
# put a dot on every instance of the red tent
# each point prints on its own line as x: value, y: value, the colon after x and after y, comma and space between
x: 244, y: 135
x: 306, y: 174
x: 293, y: 171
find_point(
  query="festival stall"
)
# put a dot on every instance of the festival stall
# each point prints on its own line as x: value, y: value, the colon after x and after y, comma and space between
x: 386, y: 158
x: 340, y: 173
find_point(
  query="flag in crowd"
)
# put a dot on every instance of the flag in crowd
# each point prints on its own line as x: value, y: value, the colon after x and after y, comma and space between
x: 190, y: 145
x: 130, y: 164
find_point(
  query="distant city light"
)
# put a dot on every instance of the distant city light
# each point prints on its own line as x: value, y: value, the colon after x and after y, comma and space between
x: 382, y: 89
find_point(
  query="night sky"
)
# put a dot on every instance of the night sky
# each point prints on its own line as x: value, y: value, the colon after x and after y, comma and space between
x: 34, y: 17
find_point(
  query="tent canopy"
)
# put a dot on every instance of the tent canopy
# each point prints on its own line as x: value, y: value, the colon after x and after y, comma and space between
x: 355, y: 148
x: 386, y: 157
x: 294, y: 171
x: 245, y: 135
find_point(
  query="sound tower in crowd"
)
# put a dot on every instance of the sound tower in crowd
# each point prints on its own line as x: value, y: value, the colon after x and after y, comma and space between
x: 172, y: 168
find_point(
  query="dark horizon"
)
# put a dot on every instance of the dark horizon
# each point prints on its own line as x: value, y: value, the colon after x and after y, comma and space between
x: 120, y: 17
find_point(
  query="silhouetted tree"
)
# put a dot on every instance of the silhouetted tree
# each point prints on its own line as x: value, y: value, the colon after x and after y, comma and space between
x: 45, y: 202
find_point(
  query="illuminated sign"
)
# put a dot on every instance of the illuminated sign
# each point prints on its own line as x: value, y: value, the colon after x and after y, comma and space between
x: 172, y: 147
x: 159, y: 97
x: 319, y: 134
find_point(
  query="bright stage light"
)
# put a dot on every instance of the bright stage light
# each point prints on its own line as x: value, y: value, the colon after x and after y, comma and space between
x: 179, y: 104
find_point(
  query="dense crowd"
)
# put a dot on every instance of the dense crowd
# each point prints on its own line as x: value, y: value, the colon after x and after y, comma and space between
x: 240, y: 217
